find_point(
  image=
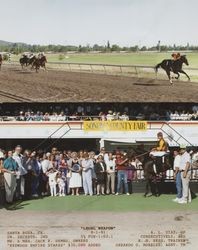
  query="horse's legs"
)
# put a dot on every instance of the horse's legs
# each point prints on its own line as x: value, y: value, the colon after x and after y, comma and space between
x: 169, y: 77
x: 157, y: 189
x: 148, y: 191
x: 177, y: 76
x: 183, y: 72
x: 147, y: 188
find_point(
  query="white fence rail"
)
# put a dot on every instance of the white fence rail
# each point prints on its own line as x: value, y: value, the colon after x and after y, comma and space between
x: 115, y: 69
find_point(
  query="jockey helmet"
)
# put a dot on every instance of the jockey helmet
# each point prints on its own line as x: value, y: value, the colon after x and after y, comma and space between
x: 159, y: 134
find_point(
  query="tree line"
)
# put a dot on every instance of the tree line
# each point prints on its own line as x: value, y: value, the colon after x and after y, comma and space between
x: 18, y: 48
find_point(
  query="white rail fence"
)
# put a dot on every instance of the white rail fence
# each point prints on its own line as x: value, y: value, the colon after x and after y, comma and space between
x: 116, y: 69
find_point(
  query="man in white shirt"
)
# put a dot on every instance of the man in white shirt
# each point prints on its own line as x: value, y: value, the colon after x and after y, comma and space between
x: 110, y: 116
x: 111, y: 164
x: 177, y: 175
x: 17, y: 156
x: 124, y: 117
x: 185, y: 176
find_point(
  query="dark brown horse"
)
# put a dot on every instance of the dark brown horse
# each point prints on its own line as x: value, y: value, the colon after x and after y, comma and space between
x: 26, y: 61
x: 174, y: 66
x: 39, y: 62
x: 155, y: 172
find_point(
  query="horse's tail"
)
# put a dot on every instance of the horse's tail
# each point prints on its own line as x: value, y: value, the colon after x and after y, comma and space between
x: 157, y: 67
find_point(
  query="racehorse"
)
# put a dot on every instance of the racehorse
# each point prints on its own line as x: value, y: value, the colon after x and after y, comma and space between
x: 174, y: 66
x: 155, y: 173
x: 1, y: 60
x: 39, y: 62
x: 25, y: 60
x: 154, y: 170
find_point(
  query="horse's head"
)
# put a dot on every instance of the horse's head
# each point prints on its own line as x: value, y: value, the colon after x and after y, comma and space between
x: 184, y: 59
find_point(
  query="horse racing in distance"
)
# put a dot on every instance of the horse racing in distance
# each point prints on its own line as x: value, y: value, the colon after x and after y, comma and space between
x: 173, y: 66
x: 36, y: 62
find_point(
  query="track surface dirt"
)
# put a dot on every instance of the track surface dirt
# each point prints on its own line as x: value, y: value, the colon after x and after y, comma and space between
x: 60, y: 86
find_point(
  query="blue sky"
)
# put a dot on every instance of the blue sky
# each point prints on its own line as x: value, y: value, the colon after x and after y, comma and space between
x: 125, y: 22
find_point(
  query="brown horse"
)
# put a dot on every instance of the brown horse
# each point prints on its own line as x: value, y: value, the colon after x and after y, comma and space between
x: 1, y: 60
x: 155, y: 173
x: 39, y: 62
x: 174, y: 66
x: 26, y: 61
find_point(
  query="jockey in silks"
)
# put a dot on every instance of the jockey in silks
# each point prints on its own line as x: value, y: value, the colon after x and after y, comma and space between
x: 176, y: 56
x: 161, y: 149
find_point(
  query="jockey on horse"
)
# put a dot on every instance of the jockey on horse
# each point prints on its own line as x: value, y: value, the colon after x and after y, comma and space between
x: 40, y: 62
x: 174, y: 66
x: 155, y: 167
x: 176, y: 56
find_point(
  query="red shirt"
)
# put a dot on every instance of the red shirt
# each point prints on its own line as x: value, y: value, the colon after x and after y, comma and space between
x: 120, y: 167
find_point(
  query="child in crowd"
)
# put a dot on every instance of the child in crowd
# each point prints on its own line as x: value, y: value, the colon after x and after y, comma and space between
x: 52, y: 174
x: 61, y: 183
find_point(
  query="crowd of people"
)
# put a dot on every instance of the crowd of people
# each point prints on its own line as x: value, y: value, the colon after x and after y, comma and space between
x: 184, y: 161
x: 34, y: 174
x: 102, y: 111
x: 102, y: 115
x: 30, y: 174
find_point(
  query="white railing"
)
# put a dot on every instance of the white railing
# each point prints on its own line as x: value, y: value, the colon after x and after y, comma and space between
x: 104, y: 68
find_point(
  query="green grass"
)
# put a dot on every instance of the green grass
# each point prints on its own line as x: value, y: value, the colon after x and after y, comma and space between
x: 141, y: 58
x: 121, y: 203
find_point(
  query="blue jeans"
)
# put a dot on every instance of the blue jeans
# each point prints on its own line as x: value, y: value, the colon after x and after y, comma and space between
x: 122, y: 176
x: 179, y: 185
x: 35, y: 185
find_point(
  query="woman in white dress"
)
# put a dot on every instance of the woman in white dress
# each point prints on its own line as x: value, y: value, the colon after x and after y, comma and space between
x: 76, y: 178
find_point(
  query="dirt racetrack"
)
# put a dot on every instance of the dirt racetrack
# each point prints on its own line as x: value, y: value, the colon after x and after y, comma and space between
x: 61, y: 86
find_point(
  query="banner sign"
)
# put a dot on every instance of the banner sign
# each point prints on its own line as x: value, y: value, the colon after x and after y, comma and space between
x: 114, y: 125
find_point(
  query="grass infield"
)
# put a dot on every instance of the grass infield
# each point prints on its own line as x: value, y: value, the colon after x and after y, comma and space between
x: 141, y: 58
x: 110, y: 203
